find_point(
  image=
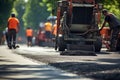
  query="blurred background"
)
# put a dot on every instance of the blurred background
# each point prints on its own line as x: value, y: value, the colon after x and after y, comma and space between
x: 34, y: 13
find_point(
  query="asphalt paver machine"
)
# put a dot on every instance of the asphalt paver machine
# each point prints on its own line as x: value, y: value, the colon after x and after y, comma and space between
x: 77, y: 26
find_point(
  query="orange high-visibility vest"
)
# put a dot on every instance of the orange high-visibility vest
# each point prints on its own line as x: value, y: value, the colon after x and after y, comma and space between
x: 48, y: 26
x: 13, y: 23
x: 55, y: 29
x: 105, y: 32
x: 29, y: 32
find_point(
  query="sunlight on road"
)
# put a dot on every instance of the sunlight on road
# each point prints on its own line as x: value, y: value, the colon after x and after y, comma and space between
x: 36, y: 50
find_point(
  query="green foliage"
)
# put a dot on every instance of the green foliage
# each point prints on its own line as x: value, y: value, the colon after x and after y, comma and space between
x: 113, y: 6
x: 5, y: 10
x: 19, y: 7
x: 35, y: 11
x: 51, y: 5
x: 34, y: 14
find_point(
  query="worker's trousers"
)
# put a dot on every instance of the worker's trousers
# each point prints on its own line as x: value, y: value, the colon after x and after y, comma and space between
x: 12, y: 37
x: 114, y: 37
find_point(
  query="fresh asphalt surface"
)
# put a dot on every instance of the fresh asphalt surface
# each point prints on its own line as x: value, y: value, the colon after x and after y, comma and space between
x: 103, y: 66
x: 17, y: 67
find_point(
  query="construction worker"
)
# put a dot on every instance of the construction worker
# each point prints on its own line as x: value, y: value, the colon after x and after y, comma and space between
x: 13, y: 28
x: 29, y: 35
x: 114, y: 25
x: 48, y: 31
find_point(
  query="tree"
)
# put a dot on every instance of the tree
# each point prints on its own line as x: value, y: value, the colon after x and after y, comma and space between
x: 113, y: 6
x: 51, y: 5
x: 34, y: 14
x: 19, y: 7
x: 5, y: 10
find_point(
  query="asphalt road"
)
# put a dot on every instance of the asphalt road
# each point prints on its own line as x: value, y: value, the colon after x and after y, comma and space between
x: 103, y: 66
x: 17, y: 67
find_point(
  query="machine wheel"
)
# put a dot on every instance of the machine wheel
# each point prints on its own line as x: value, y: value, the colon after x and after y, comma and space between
x: 61, y: 46
x: 98, y: 44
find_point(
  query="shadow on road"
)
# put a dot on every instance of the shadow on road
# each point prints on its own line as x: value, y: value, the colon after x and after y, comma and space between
x: 26, y: 72
x: 106, y: 69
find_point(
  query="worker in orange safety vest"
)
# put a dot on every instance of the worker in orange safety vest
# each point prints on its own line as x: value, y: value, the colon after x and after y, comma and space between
x: 13, y: 28
x: 48, y: 31
x: 29, y: 35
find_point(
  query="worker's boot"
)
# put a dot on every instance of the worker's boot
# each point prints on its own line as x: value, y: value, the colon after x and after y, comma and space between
x: 14, y: 46
x: 9, y: 45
